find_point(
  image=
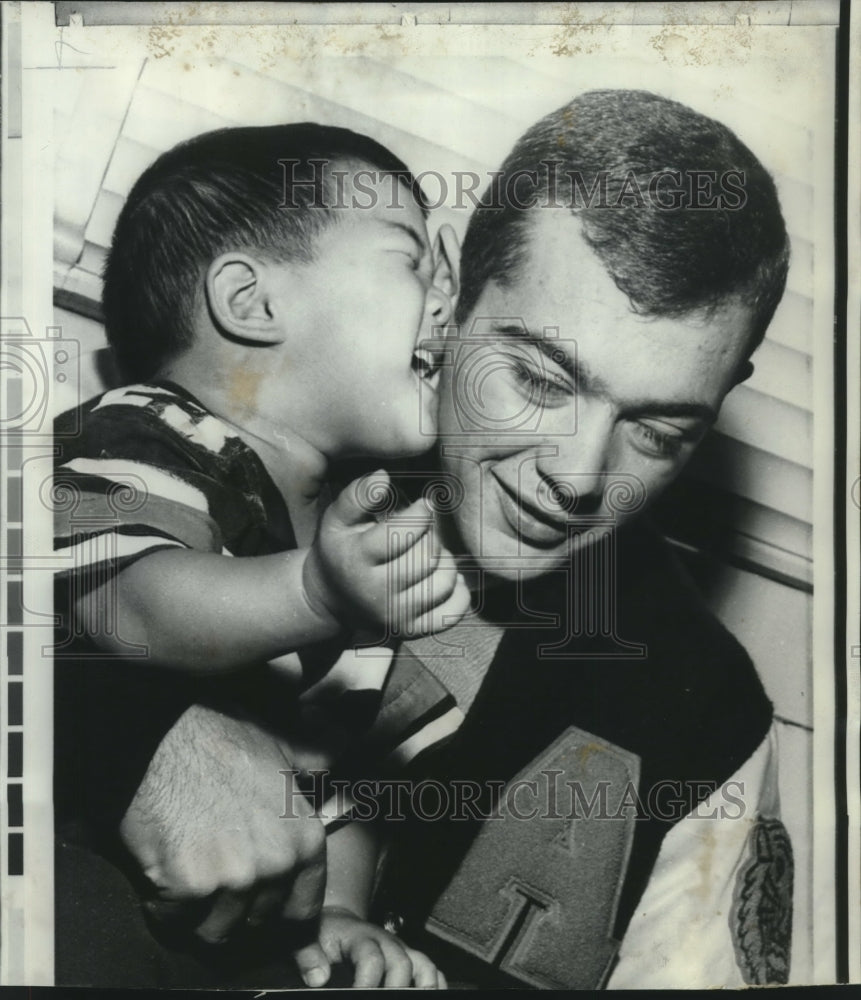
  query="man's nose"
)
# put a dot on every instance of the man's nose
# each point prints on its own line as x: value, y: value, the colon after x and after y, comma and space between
x: 574, y: 460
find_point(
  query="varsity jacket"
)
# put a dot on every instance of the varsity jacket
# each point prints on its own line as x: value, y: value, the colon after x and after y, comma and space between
x: 607, y: 813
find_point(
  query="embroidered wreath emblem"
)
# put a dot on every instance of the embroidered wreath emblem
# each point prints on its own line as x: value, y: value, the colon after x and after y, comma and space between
x: 761, y: 919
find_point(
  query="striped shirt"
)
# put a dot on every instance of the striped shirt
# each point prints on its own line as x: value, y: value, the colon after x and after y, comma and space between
x: 152, y: 469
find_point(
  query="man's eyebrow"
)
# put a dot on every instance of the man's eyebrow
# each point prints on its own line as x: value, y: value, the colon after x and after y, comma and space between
x: 551, y: 349
x: 657, y: 408
x: 587, y: 382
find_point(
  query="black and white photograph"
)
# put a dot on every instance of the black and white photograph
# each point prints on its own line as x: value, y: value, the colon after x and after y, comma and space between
x: 430, y: 476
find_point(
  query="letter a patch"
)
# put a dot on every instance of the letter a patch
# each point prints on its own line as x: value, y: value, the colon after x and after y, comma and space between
x: 536, y: 895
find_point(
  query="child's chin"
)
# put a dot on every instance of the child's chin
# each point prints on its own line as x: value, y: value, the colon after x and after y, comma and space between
x: 414, y: 441
x: 414, y: 447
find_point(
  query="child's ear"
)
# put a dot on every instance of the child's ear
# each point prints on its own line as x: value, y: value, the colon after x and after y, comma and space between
x: 238, y: 297
x: 446, y: 255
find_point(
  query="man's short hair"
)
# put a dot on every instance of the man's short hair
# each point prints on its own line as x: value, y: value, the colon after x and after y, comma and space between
x: 679, y: 211
x: 266, y: 189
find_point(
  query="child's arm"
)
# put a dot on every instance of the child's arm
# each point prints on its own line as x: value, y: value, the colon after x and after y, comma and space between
x: 378, y: 958
x: 200, y: 611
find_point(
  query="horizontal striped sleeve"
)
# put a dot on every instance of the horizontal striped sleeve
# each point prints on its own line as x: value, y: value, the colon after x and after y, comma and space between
x: 95, y: 513
x: 90, y: 562
x: 136, y: 477
x: 109, y: 512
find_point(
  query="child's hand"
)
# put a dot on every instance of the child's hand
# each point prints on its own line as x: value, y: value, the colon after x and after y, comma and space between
x: 378, y: 958
x: 392, y: 573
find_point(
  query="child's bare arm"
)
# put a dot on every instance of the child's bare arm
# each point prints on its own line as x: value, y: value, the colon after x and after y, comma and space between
x: 201, y: 611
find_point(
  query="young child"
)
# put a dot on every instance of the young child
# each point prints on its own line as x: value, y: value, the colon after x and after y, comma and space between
x: 267, y: 293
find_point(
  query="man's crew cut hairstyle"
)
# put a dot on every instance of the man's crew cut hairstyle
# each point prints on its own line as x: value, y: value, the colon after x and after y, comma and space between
x: 669, y: 261
x: 267, y: 190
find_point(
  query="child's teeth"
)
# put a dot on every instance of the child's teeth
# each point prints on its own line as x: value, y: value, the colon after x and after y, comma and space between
x: 423, y: 362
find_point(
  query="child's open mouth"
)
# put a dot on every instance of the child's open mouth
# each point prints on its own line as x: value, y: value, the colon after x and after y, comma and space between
x: 426, y: 365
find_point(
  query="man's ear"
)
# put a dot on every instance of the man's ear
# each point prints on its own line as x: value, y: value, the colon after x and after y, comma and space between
x: 238, y: 298
x: 446, y: 255
x: 745, y: 370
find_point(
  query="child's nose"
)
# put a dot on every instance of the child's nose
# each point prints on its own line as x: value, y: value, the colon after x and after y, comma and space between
x: 438, y: 305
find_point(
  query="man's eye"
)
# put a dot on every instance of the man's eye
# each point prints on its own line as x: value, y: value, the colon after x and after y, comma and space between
x: 651, y: 441
x: 540, y: 381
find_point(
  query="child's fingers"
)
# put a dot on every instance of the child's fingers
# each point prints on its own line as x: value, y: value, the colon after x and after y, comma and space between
x: 417, y: 563
x: 399, y: 967
x: 418, y: 510
x: 353, y: 505
x: 369, y: 965
x: 441, y: 982
x: 313, y: 965
x: 429, y: 593
x: 446, y: 614
x: 425, y: 973
x: 385, y: 542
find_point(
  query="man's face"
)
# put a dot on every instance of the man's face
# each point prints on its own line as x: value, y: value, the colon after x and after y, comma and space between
x: 604, y: 408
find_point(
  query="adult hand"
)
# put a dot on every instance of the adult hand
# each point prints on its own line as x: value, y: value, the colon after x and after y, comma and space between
x: 207, y: 824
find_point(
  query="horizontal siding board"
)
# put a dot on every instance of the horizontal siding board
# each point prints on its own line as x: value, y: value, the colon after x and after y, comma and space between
x: 755, y: 475
x: 783, y: 373
x: 793, y: 324
x: 709, y: 519
x: 768, y: 424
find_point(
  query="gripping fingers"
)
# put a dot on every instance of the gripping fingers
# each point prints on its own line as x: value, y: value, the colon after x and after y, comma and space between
x: 431, y: 592
x: 386, y: 541
x: 227, y: 910
x: 425, y: 973
x: 399, y: 967
x: 350, y: 507
x: 447, y: 613
x: 313, y: 965
x: 368, y: 963
x: 420, y: 561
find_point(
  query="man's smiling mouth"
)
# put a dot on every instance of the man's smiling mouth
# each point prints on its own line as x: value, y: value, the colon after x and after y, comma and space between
x: 529, y: 522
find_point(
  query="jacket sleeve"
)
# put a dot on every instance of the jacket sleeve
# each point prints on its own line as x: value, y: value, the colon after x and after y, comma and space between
x: 717, y: 910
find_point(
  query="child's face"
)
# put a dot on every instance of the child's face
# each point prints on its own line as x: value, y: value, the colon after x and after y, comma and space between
x: 354, y: 319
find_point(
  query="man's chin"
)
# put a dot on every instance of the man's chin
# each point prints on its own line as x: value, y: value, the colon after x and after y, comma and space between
x: 509, y: 558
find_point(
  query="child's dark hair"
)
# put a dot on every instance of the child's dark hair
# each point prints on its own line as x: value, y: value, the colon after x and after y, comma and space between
x: 668, y: 259
x: 267, y: 189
